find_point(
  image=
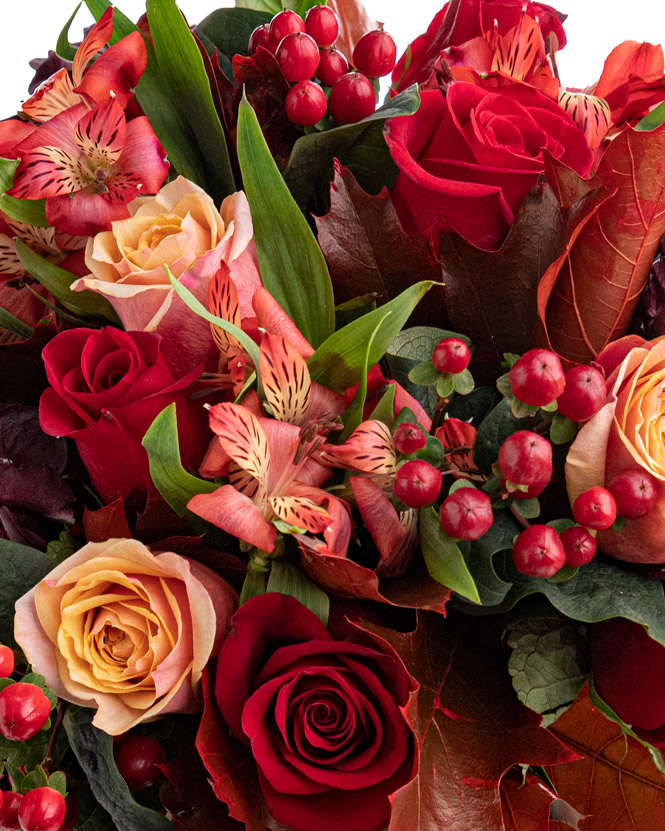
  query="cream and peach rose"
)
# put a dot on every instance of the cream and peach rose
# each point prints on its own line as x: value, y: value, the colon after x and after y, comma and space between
x: 626, y: 433
x: 125, y: 630
x: 179, y: 227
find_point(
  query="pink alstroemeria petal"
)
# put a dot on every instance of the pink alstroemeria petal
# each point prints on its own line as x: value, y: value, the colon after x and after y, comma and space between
x: 97, y: 37
x: 236, y: 514
x: 223, y: 302
x: 143, y: 155
x: 54, y: 96
x: 300, y: 512
x: 285, y: 377
x: 86, y: 214
x: 117, y: 71
x: 273, y: 319
x: 241, y: 435
x: 369, y: 449
x: 100, y: 135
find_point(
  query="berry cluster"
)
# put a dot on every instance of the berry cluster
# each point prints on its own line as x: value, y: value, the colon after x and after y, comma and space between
x: 305, y: 50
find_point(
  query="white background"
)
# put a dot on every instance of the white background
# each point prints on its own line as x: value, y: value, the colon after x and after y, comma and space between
x: 28, y: 28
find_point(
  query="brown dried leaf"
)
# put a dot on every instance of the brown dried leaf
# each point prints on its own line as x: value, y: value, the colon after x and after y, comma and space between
x: 353, y: 23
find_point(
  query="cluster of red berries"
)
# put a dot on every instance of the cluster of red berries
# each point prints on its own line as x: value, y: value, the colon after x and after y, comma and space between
x: 305, y: 49
x: 41, y: 809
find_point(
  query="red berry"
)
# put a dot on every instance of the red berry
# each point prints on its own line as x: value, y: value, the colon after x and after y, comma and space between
x: 595, y: 508
x: 11, y: 802
x: 322, y: 24
x: 73, y: 809
x: 525, y: 458
x: 6, y: 662
x: 297, y: 56
x: 466, y: 514
x: 537, y: 377
x: 375, y: 54
x: 538, y: 552
x: 306, y: 103
x: 451, y: 355
x: 635, y: 492
x: 584, y: 394
x: 137, y: 758
x: 579, y: 545
x: 42, y: 809
x: 332, y: 65
x: 24, y: 710
x: 261, y: 37
x: 351, y: 98
x: 409, y: 438
x: 417, y: 483
x: 284, y: 23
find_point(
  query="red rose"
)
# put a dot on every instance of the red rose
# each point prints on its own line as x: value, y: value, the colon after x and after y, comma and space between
x: 628, y: 669
x: 107, y: 386
x: 324, y: 718
x: 467, y: 161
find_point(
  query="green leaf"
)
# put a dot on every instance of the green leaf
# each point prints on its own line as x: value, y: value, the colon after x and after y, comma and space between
x: 549, y: 663
x: 528, y: 508
x: 425, y: 374
x: 94, y: 750
x: 360, y: 147
x: 166, y: 470
x: 445, y: 386
x: 293, y: 268
x: 58, y: 781
x: 22, y: 568
x: 443, y: 558
x: 458, y: 484
x: 339, y: 361
x: 229, y: 29
x: 492, y: 588
x: 26, y: 753
x: 58, y: 281
x: 286, y: 578
x: 551, y: 407
x: 386, y: 407
x: 653, y: 119
x: 492, y: 432
x: 463, y: 382
x: 63, y: 47
x: 269, y: 6
x: 432, y: 452
x: 521, y: 410
x: 14, y: 325
x: 303, y: 6
x: 63, y: 547
x: 503, y: 385
x: 562, y: 429
x: 7, y: 170
x: 254, y: 583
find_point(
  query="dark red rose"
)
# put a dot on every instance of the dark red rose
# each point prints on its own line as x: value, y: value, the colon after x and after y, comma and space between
x: 107, y: 386
x: 628, y: 670
x: 467, y: 160
x: 324, y: 718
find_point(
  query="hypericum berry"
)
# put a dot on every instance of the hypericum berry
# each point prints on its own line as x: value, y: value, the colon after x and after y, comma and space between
x: 579, y: 545
x: 538, y: 551
x: 137, y: 758
x: 584, y: 394
x: 417, y: 483
x: 284, y: 23
x: 332, y: 65
x: 451, y: 355
x: 375, y: 54
x: 42, y: 809
x: 322, y: 24
x: 261, y: 37
x: 11, y: 802
x: 525, y: 458
x: 537, y: 378
x: 409, y: 438
x: 24, y: 710
x: 72, y: 811
x: 595, y: 508
x: 466, y: 514
x: 305, y: 103
x: 351, y: 98
x: 297, y: 56
x: 6, y: 661
x: 635, y: 492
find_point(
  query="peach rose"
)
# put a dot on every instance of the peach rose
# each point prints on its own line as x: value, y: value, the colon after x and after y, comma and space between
x: 125, y: 630
x: 626, y: 433
x: 179, y: 227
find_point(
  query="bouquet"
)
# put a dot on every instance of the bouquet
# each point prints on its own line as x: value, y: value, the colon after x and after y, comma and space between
x: 332, y: 471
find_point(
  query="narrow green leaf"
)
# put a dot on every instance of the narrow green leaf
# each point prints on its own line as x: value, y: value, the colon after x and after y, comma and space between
x: 293, y: 267
x: 122, y: 25
x: 443, y: 557
x: 30, y: 211
x: 425, y: 374
x: 22, y: 568
x: 14, y: 325
x: 653, y: 119
x: 166, y: 470
x: 63, y: 47
x: 338, y: 362
x: 58, y: 281
x: 386, y: 407
x: 7, y: 170
x: 286, y: 578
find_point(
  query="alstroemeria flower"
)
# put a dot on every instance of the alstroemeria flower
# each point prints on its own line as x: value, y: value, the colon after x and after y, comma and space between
x: 89, y: 164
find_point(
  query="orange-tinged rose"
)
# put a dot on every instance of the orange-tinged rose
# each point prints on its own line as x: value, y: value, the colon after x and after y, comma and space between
x: 626, y: 433
x: 125, y: 630
x: 179, y: 227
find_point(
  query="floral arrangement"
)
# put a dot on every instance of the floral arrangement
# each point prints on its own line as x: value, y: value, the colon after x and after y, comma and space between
x: 332, y: 464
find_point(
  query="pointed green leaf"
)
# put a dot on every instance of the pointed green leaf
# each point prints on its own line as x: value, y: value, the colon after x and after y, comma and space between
x: 14, y: 325
x: 443, y: 557
x: 653, y: 119
x: 286, y: 578
x: 293, y: 268
x: 63, y: 47
x: 386, y: 407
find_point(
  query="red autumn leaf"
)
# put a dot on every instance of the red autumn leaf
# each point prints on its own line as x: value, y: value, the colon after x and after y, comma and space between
x: 616, y: 784
x: 525, y: 805
x: 353, y: 23
x: 106, y: 523
x: 612, y: 253
x: 470, y: 726
x: 359, y: 237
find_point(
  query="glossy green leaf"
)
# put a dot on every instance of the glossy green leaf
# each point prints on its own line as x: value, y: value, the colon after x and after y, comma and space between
x: 338, y: 363
x: 229, y: 29
x: 63, y: 47
x: 122, y: 25
x: 443, y: 558
x: 386, y: 407
x: 58, y: 281
x: 653, y: 119
x: 22, y: 568
x: 492, y: 432
x: 286, y: 578
x: 14, y: 325
x: 166, y: 470
x: 293, y: 268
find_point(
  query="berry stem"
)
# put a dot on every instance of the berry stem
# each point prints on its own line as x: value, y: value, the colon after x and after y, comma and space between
x: 57, y: 726
x: 441, y: 404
